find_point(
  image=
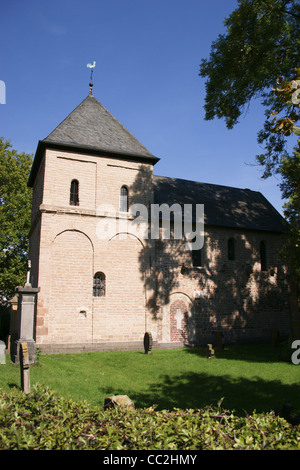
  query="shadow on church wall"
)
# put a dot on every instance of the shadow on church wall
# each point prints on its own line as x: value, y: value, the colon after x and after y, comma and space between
x: 235, y: 296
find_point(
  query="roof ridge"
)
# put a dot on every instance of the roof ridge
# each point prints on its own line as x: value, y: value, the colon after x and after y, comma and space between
x: 206, y: 184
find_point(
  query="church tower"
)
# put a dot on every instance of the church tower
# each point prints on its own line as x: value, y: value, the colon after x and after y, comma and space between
x: 89, y: 265
x: 104, y: 281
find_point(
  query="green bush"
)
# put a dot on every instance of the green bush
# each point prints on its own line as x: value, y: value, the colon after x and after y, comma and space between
x: 43, y: 420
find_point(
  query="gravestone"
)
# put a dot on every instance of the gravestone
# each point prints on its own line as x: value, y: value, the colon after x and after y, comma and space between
x: 24, y: 367
x: 2, y: 353
x: 119, y: 400
x: 148, y: 343
x: 210, y: 352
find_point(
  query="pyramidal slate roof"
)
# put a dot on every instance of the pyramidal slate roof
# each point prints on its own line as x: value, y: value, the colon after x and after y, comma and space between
x: 224, y: 206
x: 90, y: 127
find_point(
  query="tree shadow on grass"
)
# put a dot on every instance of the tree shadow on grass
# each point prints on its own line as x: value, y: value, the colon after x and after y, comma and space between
x: 250, y: 353
x: 197, y: 390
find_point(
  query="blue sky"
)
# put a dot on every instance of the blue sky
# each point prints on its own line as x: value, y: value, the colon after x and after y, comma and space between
x: 147, y: 57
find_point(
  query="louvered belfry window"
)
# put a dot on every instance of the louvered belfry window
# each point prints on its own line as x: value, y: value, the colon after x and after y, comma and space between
x: 99, y: 285
x: 74, y: 193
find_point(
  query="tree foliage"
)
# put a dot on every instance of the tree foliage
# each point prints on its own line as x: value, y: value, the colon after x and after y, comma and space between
x: 15, y: 209
x: 258, y: 57
x: 290, y: 186
x: 286, y: 124
x: 261, y: 44
x: 280, y: 123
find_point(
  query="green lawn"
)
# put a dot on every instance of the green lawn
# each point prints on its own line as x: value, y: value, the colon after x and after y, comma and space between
x: 248, y: 377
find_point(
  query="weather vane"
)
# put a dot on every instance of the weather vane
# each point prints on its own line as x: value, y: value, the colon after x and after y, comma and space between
x: 91, y: 66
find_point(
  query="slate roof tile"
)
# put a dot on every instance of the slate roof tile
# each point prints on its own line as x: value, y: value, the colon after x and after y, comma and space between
x: 224, y: 206
x: 92, y: 125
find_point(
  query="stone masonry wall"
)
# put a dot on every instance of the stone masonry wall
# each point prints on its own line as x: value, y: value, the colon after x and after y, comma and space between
x: 71, y: 251
x: 232, y: 296
x: 149, y: 286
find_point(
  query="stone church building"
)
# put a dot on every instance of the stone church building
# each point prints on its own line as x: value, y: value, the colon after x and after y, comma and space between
x: 104, y: 292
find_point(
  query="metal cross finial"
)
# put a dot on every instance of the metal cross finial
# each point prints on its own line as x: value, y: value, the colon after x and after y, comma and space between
x: 91, y: 66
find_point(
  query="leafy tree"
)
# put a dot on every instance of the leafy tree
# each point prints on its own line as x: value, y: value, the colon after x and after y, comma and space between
x: 286, y: 124
x: 261, y: 44
x: 289, y: 94
x: 15, y: 209
x: 257, y: 58
x: 290, y: 186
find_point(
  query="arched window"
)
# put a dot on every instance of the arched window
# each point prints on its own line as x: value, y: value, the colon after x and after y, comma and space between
x: 74, y: 193
x: 124, y: 199
x: 263, y: 256
x: 99, y: 284
x: 231, y: 249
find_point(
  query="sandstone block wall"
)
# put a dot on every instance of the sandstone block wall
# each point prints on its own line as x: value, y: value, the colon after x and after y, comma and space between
x: 150, y: 286
x: 67, y: 251
x: 232, y: 296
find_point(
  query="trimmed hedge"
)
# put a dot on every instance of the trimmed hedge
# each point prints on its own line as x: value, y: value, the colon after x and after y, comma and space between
x: 42, y: 420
